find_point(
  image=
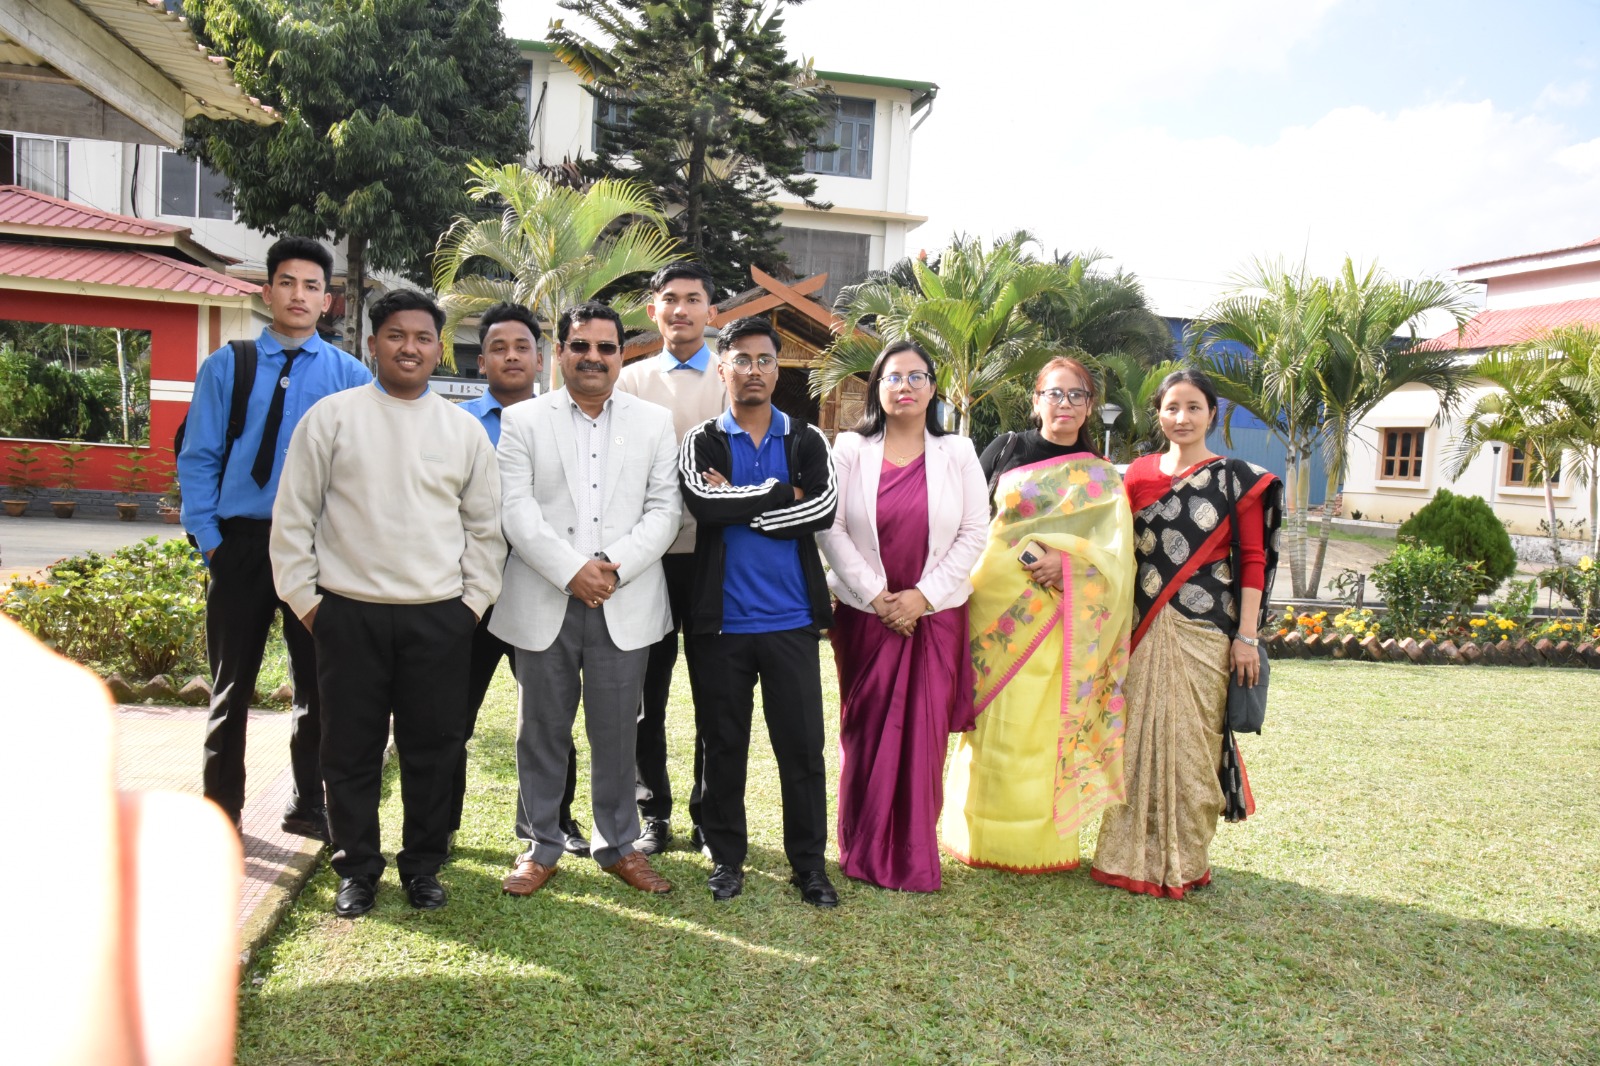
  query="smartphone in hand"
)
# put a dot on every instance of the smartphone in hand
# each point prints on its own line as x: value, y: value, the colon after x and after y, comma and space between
x: 1031, y: 553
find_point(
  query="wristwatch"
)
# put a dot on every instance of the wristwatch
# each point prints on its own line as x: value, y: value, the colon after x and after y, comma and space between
x: 1250, y: 641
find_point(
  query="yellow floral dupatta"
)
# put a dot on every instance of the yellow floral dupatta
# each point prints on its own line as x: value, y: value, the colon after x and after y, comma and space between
x: 1076, y: 505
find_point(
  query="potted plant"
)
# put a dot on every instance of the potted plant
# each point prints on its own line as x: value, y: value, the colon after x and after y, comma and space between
x: 22, y: 478
x: 132, y: 479
x: 171, y: 506
x: 73, y: 455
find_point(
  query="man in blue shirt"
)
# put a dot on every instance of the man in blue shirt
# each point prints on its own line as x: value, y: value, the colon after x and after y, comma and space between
x: 508, y: 358
x: 761, y: 486
x: 228, y: 492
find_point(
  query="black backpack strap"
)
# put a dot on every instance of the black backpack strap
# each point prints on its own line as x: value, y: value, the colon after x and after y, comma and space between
x: 244, y: 379
x: 999, y: 468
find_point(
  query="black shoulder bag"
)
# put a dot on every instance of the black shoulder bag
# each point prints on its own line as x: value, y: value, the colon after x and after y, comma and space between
x: 999, y: 468
x: 1247, y: 706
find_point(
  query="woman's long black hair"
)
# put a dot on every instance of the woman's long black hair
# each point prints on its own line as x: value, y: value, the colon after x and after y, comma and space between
x: 873, y: 416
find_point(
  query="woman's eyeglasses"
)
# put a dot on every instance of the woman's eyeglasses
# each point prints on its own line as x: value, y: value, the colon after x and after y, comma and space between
x: 580, y: 347
x: 743, y: 364
x: 917, y: 379
x: 1057, y: 398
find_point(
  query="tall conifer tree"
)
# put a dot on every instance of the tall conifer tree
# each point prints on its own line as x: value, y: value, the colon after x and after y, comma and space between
x: 707, y: 107
x: 384, y: 103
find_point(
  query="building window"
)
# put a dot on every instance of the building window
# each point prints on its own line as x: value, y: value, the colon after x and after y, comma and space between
x: 1402, y: 455
x: 191, y: 189
x: 851, y: 130
x: 609, y: 117
x: 1519, y: 472
x: 37, y: 163
x: 841, y: 256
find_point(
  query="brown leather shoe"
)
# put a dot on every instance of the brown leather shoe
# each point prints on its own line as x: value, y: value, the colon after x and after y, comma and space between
x: 527, y: 877
x: 636, y: 870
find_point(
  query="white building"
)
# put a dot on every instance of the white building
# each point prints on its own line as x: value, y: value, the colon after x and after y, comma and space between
x: 1403, y: 448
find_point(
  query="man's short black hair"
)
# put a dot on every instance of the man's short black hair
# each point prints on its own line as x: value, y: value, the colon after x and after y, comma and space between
x: 508, y: 312
x: 592, y: 311
x: 311, y: 251
x: 749, y: 327
x: 685, y: 269
x: 392, y: 303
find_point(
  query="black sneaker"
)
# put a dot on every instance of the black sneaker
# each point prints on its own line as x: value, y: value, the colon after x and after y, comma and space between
x: 310, y: 822
x: 654, y: 837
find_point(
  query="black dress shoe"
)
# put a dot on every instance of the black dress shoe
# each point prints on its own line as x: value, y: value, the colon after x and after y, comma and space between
x: 815, y: 888
x: 725, y: 882
x: 425, y: 892
x: 577, y: 843
x: 309, y: 822
x: 356, y: 896
x: 654, y: 836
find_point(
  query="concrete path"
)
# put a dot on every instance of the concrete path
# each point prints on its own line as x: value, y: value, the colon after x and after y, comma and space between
x: 31, y: 543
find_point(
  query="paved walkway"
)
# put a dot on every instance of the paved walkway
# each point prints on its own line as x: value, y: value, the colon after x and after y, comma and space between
x: 28, y: 545
x: 159, y: 748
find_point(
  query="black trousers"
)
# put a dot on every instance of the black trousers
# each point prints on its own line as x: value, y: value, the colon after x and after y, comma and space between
x: 652, y: 786
x: 487, y: 650
x: 411, y: 661
x: 786, y: 665
x: 240, y: 604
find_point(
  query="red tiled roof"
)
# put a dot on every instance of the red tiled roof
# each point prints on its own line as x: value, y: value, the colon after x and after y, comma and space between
x: 24, y: 207
x: 125, y: 267
x: 1513, y: 325
x: 1529, y: 255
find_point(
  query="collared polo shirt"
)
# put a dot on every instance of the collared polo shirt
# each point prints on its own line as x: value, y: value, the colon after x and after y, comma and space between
x: 763, y: 584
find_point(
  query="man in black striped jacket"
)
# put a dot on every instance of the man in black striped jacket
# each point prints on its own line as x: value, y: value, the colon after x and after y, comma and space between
x: 760, y: 484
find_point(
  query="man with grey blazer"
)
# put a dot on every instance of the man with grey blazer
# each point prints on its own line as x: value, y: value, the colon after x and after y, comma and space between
x: 590, y: 504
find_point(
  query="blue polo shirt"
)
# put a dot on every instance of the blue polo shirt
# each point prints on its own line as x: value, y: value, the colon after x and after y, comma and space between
x: 486, y: 409
x: 319, y: 370
x: 763, y: 585
x: 700, y: 360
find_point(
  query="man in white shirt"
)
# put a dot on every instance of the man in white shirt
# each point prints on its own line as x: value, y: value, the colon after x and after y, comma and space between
x: 682, y: 378
x: 590, y: 506
x: 386, y: 544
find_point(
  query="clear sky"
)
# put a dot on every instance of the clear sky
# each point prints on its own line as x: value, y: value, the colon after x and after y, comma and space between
x: 1185, y: 137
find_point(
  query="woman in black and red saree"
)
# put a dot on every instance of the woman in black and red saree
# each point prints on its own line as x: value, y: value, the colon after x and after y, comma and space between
x: 1189, y: 635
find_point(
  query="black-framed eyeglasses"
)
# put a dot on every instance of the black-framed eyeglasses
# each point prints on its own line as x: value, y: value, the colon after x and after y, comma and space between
x: 1058, y: 398
x: 917, y: 379
x: 743, y: 364
x: 581, y: 347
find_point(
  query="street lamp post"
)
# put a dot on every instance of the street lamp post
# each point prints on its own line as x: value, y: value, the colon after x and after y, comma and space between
x: 1494, y: 474
x: 1109, y: 413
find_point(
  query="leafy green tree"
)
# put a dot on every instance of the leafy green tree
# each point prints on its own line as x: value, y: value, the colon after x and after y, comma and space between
x: 384, y: 103
x: 551, y: 246
x: 718, y: 117
x: 1279, y: 317
x: 1465, y: 527
x: 968, y: 315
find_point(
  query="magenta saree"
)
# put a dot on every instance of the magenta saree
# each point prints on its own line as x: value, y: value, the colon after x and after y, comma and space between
x: 901, y: 698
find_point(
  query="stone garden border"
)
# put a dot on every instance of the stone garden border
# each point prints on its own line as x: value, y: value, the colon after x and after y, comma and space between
x: 1521, y: 652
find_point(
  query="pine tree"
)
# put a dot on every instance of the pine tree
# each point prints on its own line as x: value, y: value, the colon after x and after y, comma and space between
x: 384, y: 103
x: 711, y: 112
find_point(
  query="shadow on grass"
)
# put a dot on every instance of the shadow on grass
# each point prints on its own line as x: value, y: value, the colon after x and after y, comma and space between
x: 994, y: 968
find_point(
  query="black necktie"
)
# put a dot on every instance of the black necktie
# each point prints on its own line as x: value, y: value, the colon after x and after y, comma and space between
x: 261, y: 469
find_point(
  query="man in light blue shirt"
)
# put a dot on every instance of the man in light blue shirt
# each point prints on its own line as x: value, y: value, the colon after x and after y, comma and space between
x: 509, y: 360
x: 228, y: 491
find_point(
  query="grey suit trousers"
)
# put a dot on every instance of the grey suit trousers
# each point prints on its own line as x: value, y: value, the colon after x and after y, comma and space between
x: 581, y: 662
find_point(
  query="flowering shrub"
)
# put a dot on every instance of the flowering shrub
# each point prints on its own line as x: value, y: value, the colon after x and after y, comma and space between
x: 140, y: 610
x: 1358, y: 622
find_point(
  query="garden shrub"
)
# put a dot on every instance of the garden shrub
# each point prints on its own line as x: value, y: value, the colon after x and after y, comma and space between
x: 1465, y: 527
x: 1423, y: 585
x: 140, y: 611
x: 1578, y: 584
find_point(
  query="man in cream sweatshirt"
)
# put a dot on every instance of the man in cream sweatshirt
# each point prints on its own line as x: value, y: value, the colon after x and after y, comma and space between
x: 386, y: 543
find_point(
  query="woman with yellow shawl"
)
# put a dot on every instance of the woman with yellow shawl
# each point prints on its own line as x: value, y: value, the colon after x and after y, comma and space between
x: 1048, y: 620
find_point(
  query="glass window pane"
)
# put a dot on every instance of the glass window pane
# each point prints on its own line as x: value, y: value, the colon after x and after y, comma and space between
x: 213, y: 202
x: 177, y: 185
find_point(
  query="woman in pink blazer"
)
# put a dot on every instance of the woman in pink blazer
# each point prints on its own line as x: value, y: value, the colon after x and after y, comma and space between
x: 910, y: 525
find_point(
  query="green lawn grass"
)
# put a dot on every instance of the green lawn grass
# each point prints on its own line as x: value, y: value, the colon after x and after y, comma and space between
x: 1419, y: 885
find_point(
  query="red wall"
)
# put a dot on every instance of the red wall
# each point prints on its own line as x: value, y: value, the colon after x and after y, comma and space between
x: 174, y: 340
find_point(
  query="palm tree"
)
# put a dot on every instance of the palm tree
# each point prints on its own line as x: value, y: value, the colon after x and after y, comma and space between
x: 969, y: 314
x: 1131, y: 384
x: 1578, y: 387
x: 552, y: 246
x: 1261, y: 345
x: 1525, y: 411
x: 1365, y: 361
